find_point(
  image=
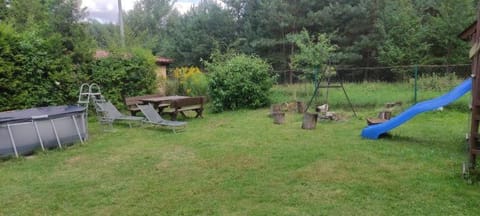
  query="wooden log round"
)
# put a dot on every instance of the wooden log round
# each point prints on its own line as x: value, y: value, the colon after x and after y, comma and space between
x: 300, y: 107
x: 275, y: 108
x: 278, y: 117
x: 309, y: 121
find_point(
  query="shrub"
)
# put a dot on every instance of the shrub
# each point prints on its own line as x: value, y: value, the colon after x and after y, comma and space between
x: 172, y: 87
x: 239, y: 81
x: 124, y: 75
x: 437, y: 82
x: 190, y: 81
x: 34, y: 71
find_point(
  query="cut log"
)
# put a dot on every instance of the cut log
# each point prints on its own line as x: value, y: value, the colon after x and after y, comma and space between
x: 309, y: 121
x: 278, y: 117
x: 300, y: 107
x: 275, y: 108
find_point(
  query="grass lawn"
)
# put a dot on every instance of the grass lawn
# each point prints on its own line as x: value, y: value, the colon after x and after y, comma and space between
x: 239, y: 163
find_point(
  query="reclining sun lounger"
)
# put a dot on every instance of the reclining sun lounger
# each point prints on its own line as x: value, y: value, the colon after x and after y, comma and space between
x: 154, y: 118
x: 108, y: 114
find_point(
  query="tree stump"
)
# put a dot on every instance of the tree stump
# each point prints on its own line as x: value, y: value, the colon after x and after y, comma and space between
x: 309, y: 121
x: 278, y: 117
x: 300, y: 107
x: 275, y: 108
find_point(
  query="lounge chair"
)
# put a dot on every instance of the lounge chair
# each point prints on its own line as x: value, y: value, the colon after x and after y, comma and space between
x: 108, y: 114
x: 154, y: 118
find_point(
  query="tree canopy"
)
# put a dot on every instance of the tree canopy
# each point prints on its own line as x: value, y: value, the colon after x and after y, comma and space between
x: 365, y: 32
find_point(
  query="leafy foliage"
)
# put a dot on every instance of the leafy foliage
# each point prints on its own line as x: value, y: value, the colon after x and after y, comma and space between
x: 367, y: 33
x: 405, y: 36
x: 314, y: 51
x: 199, y: 32
x: 122, y: 75
x: 437, y: 82
x: 33, y: 71
x: 191, y: 81
x: 239, y: 81
x: 46, y: 53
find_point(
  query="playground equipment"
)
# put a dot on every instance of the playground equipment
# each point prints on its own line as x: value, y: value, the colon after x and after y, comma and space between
x: 374, y: 131
x: 472, y: 33
x: 329, y: 84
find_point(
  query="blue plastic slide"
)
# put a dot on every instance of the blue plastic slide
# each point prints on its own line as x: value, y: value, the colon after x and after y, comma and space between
x: 374, y: 131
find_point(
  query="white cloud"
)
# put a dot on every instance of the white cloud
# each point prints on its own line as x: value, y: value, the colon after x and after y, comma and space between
x: 106, y: 10
x: 183, y: 7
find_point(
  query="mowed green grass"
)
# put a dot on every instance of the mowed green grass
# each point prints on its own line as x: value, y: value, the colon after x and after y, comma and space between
x: 366, y: 95
x: 240, y: 163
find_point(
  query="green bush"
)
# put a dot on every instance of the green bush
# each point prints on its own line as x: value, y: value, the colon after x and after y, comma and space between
x: 172, y: 87
x: 197, y: 85
x: 45, y: 57
x: 34, y: 71
x: 437, y: 82
x: 239, y: 81
x: 190, y: 81
x: 124, y: 75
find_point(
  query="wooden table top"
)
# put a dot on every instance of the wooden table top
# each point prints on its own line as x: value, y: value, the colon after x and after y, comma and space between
x: 162, y: 99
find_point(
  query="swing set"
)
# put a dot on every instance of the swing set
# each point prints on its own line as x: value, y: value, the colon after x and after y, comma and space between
x: 328, y: 82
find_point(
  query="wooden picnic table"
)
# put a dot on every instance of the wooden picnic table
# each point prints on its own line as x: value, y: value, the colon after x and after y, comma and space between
x: 162, y: 101
x: 177, y: 104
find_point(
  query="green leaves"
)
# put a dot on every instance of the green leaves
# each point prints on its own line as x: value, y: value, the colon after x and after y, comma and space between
x: 121, y: 75
x: 32, y: 71
x: 241, y: 81
x: 314, y: 52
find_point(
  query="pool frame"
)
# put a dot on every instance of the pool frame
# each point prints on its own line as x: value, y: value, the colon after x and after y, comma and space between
x: 24, y: 136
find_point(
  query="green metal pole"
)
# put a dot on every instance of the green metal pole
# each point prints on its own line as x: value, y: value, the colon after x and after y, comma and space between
x: 316, y: 84
x: 415, y: 87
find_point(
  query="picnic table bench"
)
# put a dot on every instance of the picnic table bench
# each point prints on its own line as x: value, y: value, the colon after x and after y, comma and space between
x: 132, y: 102
x: 185, y: 104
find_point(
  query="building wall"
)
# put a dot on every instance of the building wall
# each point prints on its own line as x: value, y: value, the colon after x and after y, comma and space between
x: 161, y: 71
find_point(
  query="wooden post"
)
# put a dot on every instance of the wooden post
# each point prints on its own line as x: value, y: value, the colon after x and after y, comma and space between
x: 473, y: 149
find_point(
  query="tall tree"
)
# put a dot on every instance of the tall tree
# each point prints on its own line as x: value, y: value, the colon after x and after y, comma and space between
x: 147, y: 22
x: 202, y: 30
x: 405, y: 42
x: 3, y: 9
x: 447, y: 19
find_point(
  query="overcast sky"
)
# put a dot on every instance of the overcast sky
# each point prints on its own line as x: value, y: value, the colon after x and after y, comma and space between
x: 106, y: 10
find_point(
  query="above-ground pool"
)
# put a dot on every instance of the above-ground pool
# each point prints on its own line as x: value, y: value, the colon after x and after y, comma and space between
x: 24, y: 131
